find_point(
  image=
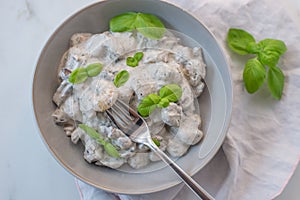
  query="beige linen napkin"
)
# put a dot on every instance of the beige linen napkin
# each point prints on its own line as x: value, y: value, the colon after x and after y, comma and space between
x: 262, y: 147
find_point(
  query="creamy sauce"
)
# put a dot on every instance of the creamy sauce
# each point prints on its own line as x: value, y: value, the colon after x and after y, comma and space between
x: 165, y: 61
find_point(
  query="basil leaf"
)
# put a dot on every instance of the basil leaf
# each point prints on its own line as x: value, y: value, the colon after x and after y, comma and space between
x: 138, y: 56
x: 79, y: 75
x: 276, y: 81
x: 121, y: 78
x: 168, y: 93
x: 270, y: 52
x: 253, y: 48
x: 150, y: 26
x: 269, y: 58
x: 238, y: 40
x: 273, y: 45
x: 111, y: 150
x: 154, y: 98
x: 91, y: 132
x: 164, y: 102
x: 156, y: 142
x: 94, y: 69
x: 148, y: 104
x: 108, y: 147
x: 147, y: 24
x: 132, y: 62
x: 101, y: 141
x: 172, y: 92
x: 123, y: 22
x: 254, y: 75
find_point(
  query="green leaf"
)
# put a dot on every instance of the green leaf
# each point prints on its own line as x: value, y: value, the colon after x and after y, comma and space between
x: 91, y: 132
x: 148, y: 104
x: 172, y: 92
x: 276, y: 82
x: 254, y: 75
x: 121, y: 78
x: 154, y: 98
x: 132, y: 62
x: 238, y: 41
x: 164, y: 102
x: 270, y: 51
x: 273, y: 45
x: 101, y: 141
x: 156, y: 142
x: 150, y: 26
x: 138, y: 56
x: 111, y: 150
x: 94, y: 69
x: 168, y: 93
x: 123, y: 22
x: 79, y: 75
x: 253, y: 48
x: 108, y: 147
x: 269, y: 58
x: 147, y: 24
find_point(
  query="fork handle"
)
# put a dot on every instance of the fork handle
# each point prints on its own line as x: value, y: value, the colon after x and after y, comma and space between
x: 187, y: 179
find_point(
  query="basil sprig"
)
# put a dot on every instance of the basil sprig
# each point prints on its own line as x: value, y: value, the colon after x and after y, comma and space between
x: 80, y: 75
x: 108, y: 147
x: 134, y: 61
x: 168, y: 93
x: 148, y: 104
x: 147, y: 24
x: 268, y: 53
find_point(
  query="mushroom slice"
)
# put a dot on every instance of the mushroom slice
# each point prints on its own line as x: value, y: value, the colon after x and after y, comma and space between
x: 62, y: 93
x: 79, y: 38
x: 60, y: 117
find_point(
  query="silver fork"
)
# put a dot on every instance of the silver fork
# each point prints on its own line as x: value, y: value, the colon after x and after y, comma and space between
x: 133, y: 125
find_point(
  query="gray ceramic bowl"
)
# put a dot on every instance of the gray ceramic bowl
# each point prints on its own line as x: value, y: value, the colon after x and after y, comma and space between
x: 215, y: 102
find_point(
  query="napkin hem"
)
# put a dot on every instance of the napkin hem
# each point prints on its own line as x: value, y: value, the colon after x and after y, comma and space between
x: 79, y: 189
x: 288, y: 178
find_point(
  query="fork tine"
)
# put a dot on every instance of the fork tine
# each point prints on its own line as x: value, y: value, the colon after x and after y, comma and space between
x: 128, y: 109
x: 120, y: 114
x: 116, y: 118
x: 126, y: 119
x: 119, y: 107
x: 119, y: 117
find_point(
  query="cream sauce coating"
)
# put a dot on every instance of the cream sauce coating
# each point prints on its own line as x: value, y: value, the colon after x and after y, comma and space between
x: 165, y: 61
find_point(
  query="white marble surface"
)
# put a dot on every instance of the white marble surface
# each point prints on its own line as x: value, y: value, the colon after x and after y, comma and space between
x: 27, y: 169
